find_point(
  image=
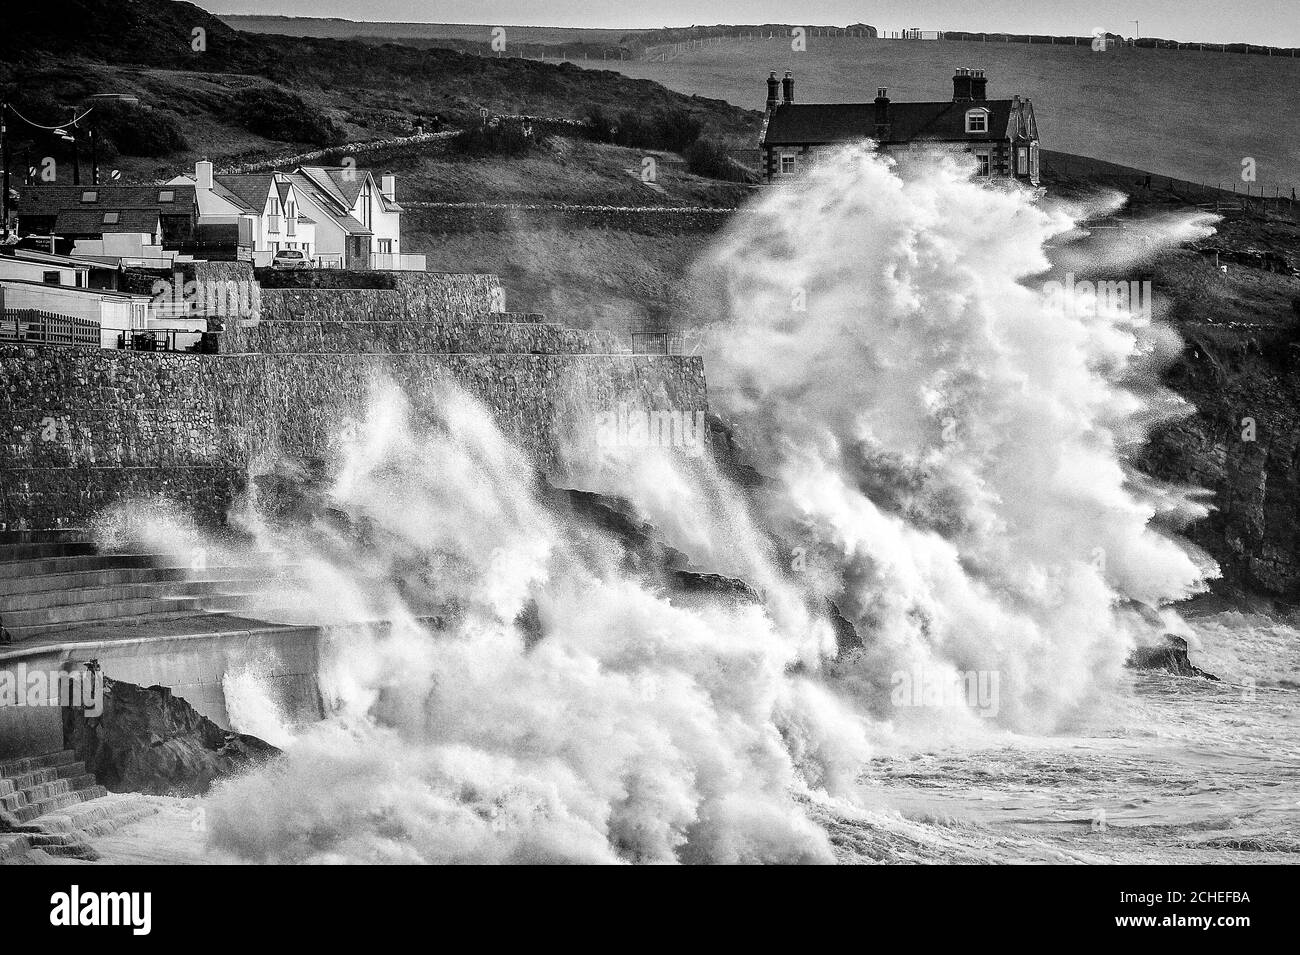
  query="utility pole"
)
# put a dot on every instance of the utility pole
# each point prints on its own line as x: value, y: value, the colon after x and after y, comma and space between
x: 1137, y: 29
x: 4, y: 158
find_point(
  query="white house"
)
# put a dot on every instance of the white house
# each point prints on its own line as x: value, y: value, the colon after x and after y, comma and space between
x: 264, y: 206
x: 339, y: 216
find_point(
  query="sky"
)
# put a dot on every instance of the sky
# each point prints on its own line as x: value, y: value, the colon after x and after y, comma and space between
x: 1271, y: 22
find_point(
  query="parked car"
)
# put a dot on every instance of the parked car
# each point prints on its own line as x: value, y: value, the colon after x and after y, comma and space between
x: 291, y: 259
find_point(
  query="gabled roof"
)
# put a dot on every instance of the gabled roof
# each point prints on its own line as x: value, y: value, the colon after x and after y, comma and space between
x: 43, y: 200
x: 347, y: 182
x: 250, y: 189
x: 320, y: 177
x: 330, y: 207
x: 815, y: 123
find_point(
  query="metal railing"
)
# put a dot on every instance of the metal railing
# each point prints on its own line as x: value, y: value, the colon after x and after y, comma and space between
x: 397, y: 262
x: 169, y: 339
x: 47, y: 328
x: 655, y: 342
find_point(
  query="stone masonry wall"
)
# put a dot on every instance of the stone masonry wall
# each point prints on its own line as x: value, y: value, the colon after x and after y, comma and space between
x: 361, y: 337
x: 83, y: 427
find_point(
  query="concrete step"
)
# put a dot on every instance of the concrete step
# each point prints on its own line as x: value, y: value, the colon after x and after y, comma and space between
x: 225, y: 602
x: 20, y: 634
x: 54, y: 803
x: 115, y: 576
x: 28, y: 764
x: 37, y: 567
x: 13, y: 846
x: 10, y: 553
x: 98, y: 817
x: 155, y: 589
x: 22, y: 622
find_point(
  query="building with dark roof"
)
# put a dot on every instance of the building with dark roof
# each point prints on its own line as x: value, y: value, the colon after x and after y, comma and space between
x: 167, y: 214
x: 1001, y: 134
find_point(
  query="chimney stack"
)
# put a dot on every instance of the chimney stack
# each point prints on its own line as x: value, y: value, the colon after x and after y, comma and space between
x: 882, y: 114
x: 388, y: 187
x: 979, y: 86
x: 787, y: 88
x: 773, y: 90
x: 203, y: 175
x: 961, y: 85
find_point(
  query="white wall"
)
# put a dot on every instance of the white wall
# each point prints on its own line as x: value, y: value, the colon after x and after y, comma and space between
x: 27, y: 271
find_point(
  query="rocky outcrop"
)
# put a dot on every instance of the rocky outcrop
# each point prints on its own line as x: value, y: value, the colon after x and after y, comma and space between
x: 149, y: 741
x: 1170, y: 656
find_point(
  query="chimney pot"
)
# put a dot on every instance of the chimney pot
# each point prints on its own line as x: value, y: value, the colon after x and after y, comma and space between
x: 787, y: 88
x: 961, y: 84
x: 773, y: 91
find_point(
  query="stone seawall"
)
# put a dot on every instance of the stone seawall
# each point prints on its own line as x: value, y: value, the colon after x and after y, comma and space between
x: 81, y: 428
x: 487, y: 338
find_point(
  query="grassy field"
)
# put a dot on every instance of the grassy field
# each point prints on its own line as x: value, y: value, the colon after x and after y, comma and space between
x: 591, y: 278
x: 1188, y: 114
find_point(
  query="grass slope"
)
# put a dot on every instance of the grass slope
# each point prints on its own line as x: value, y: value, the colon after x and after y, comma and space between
x: 1187, y: 114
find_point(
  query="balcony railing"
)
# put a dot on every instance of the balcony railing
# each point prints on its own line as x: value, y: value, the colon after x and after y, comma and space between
x: 32, y: 326
x: 397, y: 262
x: 646, y: 341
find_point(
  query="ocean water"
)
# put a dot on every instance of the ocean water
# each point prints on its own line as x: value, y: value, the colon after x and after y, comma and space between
x: 945, y: 408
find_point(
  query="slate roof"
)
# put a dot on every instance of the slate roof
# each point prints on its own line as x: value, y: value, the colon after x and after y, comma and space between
x: 815, y: 123
x: 91, y: 221
x: 250, y: 189
x: 43, y: 200
x: 327, y: 205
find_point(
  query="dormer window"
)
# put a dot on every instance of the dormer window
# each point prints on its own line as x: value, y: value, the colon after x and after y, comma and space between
x: 977, y: 121
x: 167, y: 195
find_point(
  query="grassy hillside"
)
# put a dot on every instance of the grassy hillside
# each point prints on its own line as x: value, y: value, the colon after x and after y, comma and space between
x: 121, y: 40
x: 1188, y: 114
x: 367, y: 30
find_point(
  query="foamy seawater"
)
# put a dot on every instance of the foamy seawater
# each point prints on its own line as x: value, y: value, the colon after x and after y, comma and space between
x: 945, y: 427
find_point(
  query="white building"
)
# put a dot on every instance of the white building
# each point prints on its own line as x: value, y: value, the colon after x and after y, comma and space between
x: 336, y: 215
x: 29, y: 310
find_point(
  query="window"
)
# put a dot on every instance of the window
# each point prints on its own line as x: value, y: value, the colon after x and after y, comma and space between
x: 1022, y: 161
x: 385, y: 246
x: 111, y: 218
x: 787, y: 164
x: 1033, y: 161
x: 982, y: 163
x: 977, y: 121
x: 90, y: 195
x: 51, y: 278
x: 167, y: 195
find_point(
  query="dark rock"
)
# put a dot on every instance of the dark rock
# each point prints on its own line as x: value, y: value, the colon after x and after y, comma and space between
x: 1171, y: 656
x: 149, y: 741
